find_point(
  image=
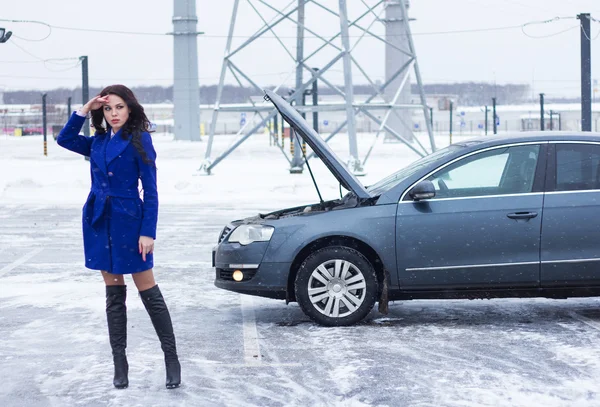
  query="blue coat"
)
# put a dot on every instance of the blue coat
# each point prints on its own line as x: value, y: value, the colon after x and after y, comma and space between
x: 114, y: 216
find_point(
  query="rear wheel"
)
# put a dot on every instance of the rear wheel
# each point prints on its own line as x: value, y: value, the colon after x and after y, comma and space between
x: 336, y: 286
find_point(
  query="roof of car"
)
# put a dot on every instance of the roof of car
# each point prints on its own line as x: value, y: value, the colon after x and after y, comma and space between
x: 533, y: 136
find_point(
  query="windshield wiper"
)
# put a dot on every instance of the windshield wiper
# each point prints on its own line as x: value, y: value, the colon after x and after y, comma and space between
x: 309, y: 170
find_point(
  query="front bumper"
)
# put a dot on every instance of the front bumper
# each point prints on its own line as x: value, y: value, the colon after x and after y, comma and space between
x: 262, y: 279
x: 268, y: 280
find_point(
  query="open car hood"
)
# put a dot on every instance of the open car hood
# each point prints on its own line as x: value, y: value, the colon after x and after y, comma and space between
x: 318, y: 145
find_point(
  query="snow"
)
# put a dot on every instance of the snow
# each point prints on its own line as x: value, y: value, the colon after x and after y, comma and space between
x: 255, y: 167
x: 54, y: 347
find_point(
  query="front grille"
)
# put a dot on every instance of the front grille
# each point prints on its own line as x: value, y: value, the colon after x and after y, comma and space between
x: 227, y: 274
x: 226, y: 230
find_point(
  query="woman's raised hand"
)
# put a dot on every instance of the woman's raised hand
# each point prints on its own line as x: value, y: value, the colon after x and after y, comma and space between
x: 94, y: 103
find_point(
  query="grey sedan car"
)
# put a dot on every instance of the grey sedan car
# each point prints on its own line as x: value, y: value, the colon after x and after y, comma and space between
x: 512, y: 216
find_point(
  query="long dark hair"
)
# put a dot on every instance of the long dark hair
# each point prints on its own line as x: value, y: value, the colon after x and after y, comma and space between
x: 135, y: 125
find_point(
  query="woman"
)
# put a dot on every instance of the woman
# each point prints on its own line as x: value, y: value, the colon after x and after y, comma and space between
x: 118, y: 227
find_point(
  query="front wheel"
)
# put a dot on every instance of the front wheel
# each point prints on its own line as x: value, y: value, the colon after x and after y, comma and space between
x: 336, y: 286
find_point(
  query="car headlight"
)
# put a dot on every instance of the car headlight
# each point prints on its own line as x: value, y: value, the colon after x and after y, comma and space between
x: 246, y: 234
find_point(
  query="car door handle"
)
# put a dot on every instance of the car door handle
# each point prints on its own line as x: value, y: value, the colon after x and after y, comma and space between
x: 522, y: 215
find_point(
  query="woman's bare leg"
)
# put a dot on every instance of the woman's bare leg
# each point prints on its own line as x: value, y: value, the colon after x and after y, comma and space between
x: 113, y: 279
x: 144, y: 280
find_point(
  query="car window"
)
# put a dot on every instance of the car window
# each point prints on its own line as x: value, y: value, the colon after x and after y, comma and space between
x: 501, y: 171
x: 577, y: 167
x: 394, y: 179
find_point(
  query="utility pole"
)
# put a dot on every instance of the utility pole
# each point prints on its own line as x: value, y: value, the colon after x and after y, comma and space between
x: 586, y: 72
x: 186, y: 88
x: 296, y: 166
x: 396, y: 22
x: 275, y: 130
x: 44, y: 124
x: 541, y: 111
x: 315, y: 102
x: 559, y: 121
x: 431, y: 116
x: 68, y: 107
x: 85, y: 90
x: 451, y: 106
x: 494, y: 115
x: 85, y: 93
x: 354, y: 164
x: 486, y: 119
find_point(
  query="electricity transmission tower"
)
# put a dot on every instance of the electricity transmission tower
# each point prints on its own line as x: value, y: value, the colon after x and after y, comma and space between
x: 386, y: 105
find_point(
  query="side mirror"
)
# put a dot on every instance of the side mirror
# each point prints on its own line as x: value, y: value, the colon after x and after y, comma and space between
x: 423, y: 190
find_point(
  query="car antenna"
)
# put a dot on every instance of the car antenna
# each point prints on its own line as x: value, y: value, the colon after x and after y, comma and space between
x: 310, y: 171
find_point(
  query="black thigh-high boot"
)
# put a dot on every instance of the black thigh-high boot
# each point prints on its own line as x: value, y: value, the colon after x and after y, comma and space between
x: 116, y: 316
x: 161, y: 319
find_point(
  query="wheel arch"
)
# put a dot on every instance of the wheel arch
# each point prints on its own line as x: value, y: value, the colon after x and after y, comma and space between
x: 348, y: 241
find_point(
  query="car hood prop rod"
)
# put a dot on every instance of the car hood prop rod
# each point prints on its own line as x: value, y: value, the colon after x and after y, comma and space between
x: 309, y: 170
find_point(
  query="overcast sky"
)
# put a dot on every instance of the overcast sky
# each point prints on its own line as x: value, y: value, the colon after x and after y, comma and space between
x: 550, y: 62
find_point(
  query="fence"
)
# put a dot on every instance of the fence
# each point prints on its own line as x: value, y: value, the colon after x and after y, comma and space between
x: 27, y: 119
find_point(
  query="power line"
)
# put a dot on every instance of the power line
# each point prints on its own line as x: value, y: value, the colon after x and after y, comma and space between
x: 108, y: 31
x: 25, y: 51
x: 56, y: 60
x: 50, y: 60
x: 551, y: 20
x: 36, y: 57
x: 125, y: 78
x: 31, y: 22
x: 58, y: 27
x: 464, y: 31
x: 592, y: 19
x: 20, y: 62
x: 550, y: 35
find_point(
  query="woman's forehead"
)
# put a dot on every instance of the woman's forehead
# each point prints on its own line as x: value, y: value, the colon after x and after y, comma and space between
x: 114, y: 100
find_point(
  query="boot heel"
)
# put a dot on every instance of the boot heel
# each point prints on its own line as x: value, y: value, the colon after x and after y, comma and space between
x: 120, y: 380
x: 173, y: 374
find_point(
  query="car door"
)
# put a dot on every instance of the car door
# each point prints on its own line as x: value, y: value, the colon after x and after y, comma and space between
x: 571, y: 225
x: 482, y: 229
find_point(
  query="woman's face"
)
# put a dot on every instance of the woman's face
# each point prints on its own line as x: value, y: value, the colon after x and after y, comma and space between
x: 116, y: 112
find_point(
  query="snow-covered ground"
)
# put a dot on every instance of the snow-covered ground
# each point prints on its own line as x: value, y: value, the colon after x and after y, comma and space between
x: 246, y: 351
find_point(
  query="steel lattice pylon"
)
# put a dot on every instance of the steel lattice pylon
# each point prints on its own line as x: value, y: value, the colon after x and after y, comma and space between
x: 390, y: 91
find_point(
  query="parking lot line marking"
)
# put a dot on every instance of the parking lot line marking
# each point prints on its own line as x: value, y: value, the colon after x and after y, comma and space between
x: 20, y: 261
x: 253, y: 365
x: 585, y: 320
x: 252, y: 354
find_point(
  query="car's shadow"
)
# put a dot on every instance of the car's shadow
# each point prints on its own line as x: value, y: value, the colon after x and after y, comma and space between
x: 461, y: 313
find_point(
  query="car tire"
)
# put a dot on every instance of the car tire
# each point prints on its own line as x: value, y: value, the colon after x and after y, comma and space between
x: 336, y: 286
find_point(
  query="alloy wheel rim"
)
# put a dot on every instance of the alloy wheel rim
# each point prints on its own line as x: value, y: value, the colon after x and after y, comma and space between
x: 337, y: 288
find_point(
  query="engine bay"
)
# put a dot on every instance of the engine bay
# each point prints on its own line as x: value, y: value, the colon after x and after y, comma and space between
x: 348, y: 201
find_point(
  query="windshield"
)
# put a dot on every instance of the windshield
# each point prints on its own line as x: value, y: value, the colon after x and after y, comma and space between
x: 394, y: 179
